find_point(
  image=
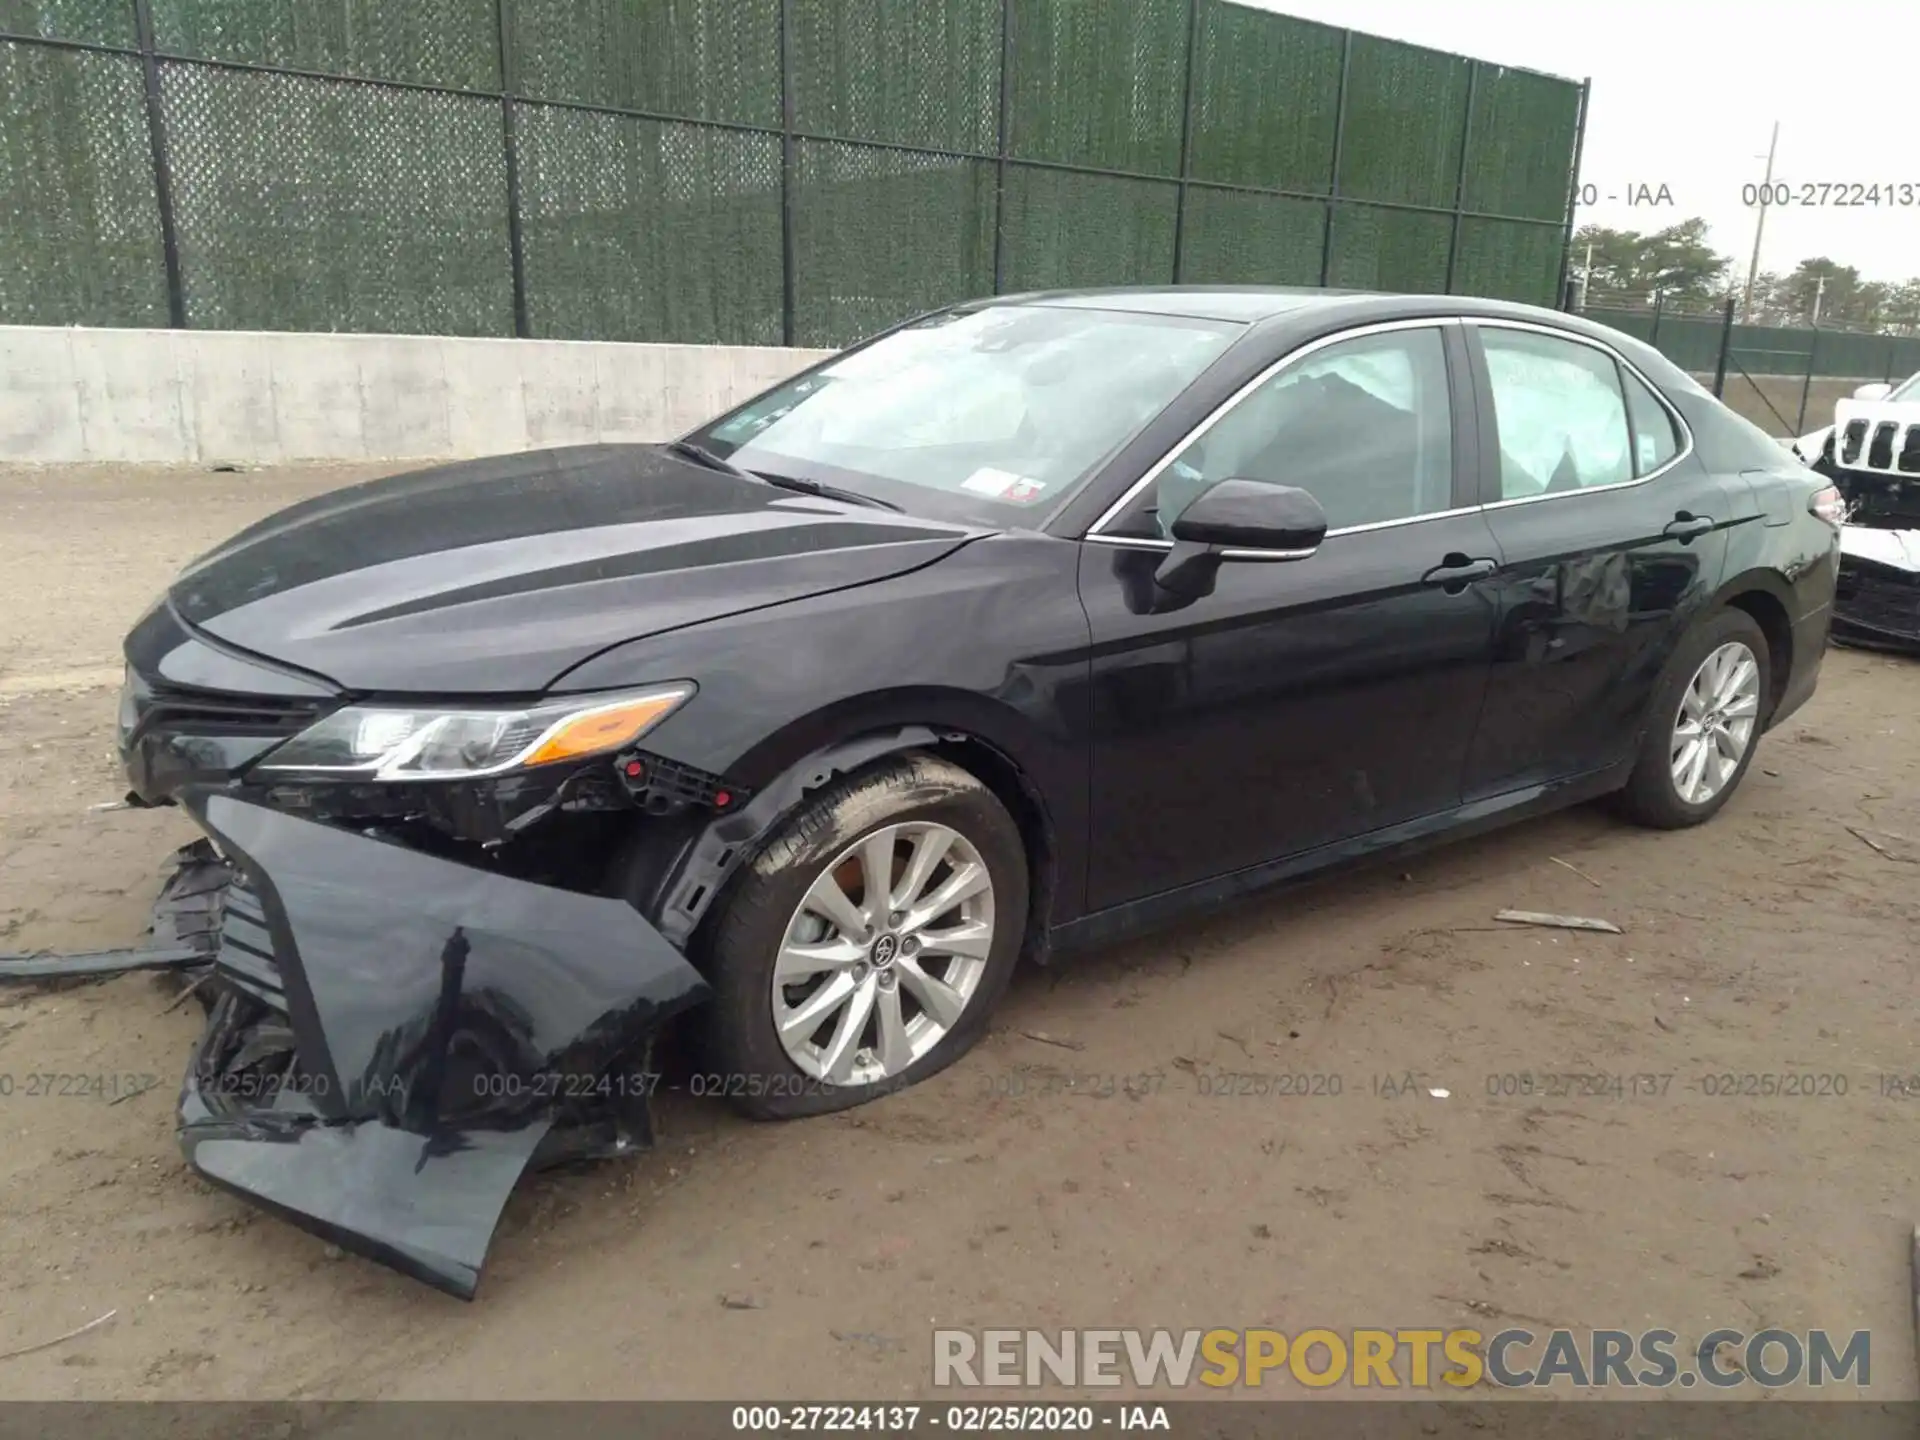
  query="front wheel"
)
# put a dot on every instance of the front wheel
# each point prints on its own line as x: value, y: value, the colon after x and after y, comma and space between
x: 1706, y: 720
x: 865, y: 947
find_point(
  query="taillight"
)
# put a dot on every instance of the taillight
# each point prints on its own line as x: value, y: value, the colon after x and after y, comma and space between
x: 1830, y: 506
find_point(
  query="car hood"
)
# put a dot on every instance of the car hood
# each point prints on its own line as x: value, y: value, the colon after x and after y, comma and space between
x: 498, y: 575
x: 1808, y: 447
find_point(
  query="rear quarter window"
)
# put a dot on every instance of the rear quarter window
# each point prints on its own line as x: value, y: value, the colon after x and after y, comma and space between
x: 1655, y: 439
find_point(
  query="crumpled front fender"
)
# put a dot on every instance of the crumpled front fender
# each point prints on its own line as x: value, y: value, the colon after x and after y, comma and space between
x: 439, y: 1017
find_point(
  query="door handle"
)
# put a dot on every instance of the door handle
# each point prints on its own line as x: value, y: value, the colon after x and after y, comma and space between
x: 1685, y: 527
x: 1458, y: 572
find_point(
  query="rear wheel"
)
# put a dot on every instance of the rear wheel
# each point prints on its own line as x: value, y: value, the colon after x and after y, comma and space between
x: 1706, y: 720
x: 865, y: 947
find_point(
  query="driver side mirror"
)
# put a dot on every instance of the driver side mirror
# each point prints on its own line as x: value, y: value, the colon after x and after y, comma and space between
x: 1284, y: 522
x: 1878, y: 390
x: 1239, y: 520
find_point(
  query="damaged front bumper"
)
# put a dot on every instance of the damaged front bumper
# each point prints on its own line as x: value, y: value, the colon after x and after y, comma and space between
x: 392, y: 1038
x: 1877, y: 597
x: 1876, y: 600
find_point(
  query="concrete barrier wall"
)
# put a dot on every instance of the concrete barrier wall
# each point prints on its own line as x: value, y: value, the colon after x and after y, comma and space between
x: 261, y: 397
x: 245, y: 397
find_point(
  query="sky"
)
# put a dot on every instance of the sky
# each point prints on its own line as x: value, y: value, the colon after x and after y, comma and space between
x: 1685, y: 94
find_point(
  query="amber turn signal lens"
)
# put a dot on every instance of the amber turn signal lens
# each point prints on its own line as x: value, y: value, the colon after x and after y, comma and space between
x: 609, y: 727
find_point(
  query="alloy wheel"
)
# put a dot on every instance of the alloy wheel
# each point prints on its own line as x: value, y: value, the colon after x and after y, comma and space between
x: 883, y: 954
x: 1714, y: 726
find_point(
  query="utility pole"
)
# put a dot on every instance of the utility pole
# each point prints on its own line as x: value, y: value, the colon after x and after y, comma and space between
x: 1760, y: 221
x: 1819, y: 289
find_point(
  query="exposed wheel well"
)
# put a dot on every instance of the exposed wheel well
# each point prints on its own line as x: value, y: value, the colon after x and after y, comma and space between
x: 1771, y: 616
x: 647, y: 869
x: 1012, y: 788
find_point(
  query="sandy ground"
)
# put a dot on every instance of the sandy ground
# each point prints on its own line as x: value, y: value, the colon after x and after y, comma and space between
x: 1025, y: 1186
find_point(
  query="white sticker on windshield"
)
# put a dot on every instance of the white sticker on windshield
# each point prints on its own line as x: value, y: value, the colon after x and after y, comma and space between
x: 1000, y: 484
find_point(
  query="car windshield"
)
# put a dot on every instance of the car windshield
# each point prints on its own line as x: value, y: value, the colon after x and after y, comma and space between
x: 1909, y: 391
x: 1004, y: 409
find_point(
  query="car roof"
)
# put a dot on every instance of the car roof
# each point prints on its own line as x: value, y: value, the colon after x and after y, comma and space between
x: 1243, y: 303
x: 1253, y: 304
x: 1282, y: 316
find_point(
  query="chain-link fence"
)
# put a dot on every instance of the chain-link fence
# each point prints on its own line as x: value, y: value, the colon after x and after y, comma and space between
x: 741, y: 171
x: 1782, y: 378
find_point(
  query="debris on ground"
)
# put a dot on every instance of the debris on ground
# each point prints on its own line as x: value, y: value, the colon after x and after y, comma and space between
x: 187, y: 992
x: 1557, y: 922
x: 1576, y: 870
x: 1893, y: 847
x: 880, y: 1344
x: 1061, y: 1041
x: 46, y: 965
x: 120, y: 1099
x: 183, y: 934
x: 58, y: 1339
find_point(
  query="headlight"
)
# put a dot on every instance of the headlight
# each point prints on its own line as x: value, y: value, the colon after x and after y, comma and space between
x: 382, y: 742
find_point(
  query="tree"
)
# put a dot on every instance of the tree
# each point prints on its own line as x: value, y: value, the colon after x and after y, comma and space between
x: 1676, y: 263
x: 1902, y: 310
x: 1681, y: 265
x: 1770, y: 303
x: 1615, y: 265
x: 1868, y: 308
x: 1835, y: 287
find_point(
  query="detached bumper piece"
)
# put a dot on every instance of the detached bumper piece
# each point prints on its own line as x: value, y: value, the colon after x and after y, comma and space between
x: 183, y: 934
x: 1877, y: 598
x: 392, y: 1039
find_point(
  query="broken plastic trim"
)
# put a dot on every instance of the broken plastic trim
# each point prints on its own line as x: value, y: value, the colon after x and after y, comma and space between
x: 47, y: 966
x: 698, y: 875
x: 184, y: 930
x: 1877, y: 601
x: 442, y: 1020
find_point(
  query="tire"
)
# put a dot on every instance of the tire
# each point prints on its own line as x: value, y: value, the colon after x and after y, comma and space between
x: 918, y: 797
x: 1653, y: 795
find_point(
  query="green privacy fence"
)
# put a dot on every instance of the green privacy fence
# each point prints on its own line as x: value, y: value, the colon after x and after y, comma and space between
x: 1783, y: 378
x: 1693, y: 342
x: 741, y: 171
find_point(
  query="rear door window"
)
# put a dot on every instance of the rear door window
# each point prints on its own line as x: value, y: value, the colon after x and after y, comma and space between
x: 1561, y: 414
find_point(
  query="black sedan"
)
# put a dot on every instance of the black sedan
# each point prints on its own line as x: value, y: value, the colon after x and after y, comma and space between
x: 1024, y: 625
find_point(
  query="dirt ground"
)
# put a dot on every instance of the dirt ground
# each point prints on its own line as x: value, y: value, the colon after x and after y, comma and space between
x: 1025, y: 1186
